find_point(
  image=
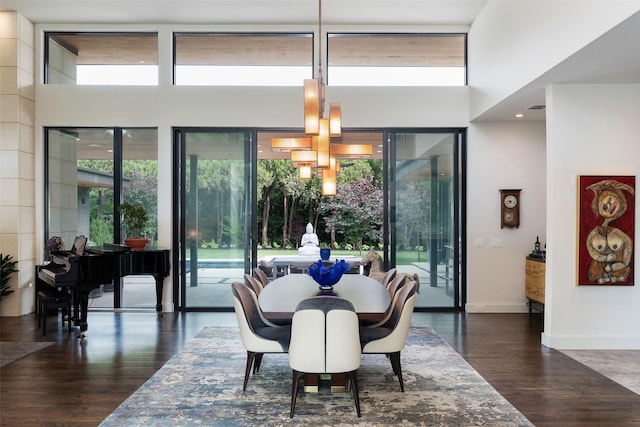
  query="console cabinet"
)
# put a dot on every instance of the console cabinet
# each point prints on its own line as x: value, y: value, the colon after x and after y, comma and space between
x: 534, y: 280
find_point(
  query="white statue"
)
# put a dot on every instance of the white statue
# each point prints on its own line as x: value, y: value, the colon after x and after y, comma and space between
x: 309, y: 245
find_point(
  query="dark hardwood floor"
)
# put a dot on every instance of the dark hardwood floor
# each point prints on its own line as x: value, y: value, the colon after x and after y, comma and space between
x: 79, y: 383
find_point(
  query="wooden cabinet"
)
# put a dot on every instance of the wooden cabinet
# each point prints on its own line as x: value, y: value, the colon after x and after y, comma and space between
x: 534, y: 280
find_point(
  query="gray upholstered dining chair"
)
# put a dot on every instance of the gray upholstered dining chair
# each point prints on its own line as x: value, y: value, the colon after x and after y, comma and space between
x: 257, y: 337
x: 253, y: 283
x: 393, y: 291
x: 388, y: 277
x: 391, y: 337
x: 254, y: 296
x: 259, y: 274
x: 324, y: 340
x: 395, y: 284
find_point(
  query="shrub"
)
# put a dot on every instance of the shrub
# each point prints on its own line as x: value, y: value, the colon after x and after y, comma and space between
x: 7, y: 268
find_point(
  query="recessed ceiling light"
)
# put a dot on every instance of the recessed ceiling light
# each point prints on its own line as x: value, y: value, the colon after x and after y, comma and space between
x: 519, y: 115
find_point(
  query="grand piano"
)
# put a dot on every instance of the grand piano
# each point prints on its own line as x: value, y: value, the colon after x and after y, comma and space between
x: 82, y: 269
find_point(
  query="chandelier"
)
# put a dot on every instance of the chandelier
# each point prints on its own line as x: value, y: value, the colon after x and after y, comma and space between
x: 316, y: 151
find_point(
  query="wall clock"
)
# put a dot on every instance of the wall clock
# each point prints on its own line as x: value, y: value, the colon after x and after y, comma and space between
x: 509, y: 208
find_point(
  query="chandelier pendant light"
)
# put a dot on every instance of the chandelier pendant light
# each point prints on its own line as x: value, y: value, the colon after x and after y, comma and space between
x: 316, y: 150
x: 314, y: 95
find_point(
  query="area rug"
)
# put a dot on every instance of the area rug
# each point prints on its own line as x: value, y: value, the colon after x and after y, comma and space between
x: 10, y: 351
x: 202, y: 386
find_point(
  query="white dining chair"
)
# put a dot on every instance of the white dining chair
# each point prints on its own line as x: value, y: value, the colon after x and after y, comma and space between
x: 324, y: 340
x: 391, y: 337
x: 257, y: 337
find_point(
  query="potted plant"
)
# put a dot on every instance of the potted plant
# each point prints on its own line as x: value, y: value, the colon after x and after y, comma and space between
x: 7, y: 268
x: 135, y: 218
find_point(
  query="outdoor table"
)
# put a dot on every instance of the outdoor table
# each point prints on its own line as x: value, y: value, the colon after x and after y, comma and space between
x: 284, y: 263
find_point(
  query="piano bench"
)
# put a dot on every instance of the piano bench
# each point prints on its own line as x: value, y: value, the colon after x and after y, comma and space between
x: 52, y: 300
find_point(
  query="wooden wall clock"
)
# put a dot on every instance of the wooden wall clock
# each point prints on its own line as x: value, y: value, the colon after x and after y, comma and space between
x: 509, y: 208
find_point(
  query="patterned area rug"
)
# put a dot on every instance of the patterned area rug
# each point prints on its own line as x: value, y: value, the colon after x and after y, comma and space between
x: 10, y: 351
x: 202, y: 385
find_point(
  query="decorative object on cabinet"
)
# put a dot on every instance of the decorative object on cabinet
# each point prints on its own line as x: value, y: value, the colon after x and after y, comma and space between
x: 509, y: 208
x: 606, y: 211
x: 537, y: 251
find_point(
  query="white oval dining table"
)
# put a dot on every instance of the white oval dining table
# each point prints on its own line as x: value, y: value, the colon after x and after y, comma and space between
x: 281, y: 296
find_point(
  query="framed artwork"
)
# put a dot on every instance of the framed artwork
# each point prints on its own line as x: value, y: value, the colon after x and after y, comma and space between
x: 606, y: 211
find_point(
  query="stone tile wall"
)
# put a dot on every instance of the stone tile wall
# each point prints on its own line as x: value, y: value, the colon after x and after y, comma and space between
x: 17, y: 156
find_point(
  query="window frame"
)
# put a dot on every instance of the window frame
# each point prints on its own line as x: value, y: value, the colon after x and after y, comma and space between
x: 346, y: 35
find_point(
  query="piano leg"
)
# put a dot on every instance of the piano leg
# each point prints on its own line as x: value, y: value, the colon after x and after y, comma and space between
x: 80, y: 309
x: 159, y: 287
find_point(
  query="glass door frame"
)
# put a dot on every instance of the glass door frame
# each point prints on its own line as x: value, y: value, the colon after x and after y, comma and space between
x: 117, y: 187
x: 180, y: 215
x: 459, y: 184
x: 251, y: 214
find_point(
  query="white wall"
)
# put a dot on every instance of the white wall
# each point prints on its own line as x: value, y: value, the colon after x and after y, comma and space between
x: 511, y: 43
x: 165, y: 105
x: 503, y: 155
x: 591, y: 130
x: 581, y: 120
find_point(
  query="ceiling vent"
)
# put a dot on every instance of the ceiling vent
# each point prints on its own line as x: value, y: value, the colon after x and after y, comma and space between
x: 536, y: 107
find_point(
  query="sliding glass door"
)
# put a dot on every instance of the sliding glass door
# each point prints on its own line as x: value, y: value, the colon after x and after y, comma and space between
x: 424, y: 210
x: 221, y: 223
x: 89, y: 172
x: 213, y: 183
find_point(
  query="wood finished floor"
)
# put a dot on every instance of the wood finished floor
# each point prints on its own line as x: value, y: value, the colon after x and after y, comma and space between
x: 79, y: 383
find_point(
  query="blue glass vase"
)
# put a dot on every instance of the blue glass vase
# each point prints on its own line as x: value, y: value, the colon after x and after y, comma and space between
x: 328, y: 276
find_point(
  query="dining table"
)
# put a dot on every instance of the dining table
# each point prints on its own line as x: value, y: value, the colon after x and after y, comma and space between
x: 279, y: 299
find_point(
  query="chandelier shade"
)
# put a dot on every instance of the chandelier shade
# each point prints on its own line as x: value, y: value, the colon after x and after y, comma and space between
x: 351, y: 151
x: 323, y: 144
x: 312, y: 107
x: 309, y: 157
x: 305, y: 171
x: 329, y: 186
x: 288, y: 144
x: 335, y: 120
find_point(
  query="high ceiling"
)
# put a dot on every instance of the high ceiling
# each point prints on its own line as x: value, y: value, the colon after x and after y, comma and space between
x: 348, y: 12
x: 611, y: 59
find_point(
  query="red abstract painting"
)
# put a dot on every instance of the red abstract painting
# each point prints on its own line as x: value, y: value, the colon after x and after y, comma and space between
x: 606, y: 212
